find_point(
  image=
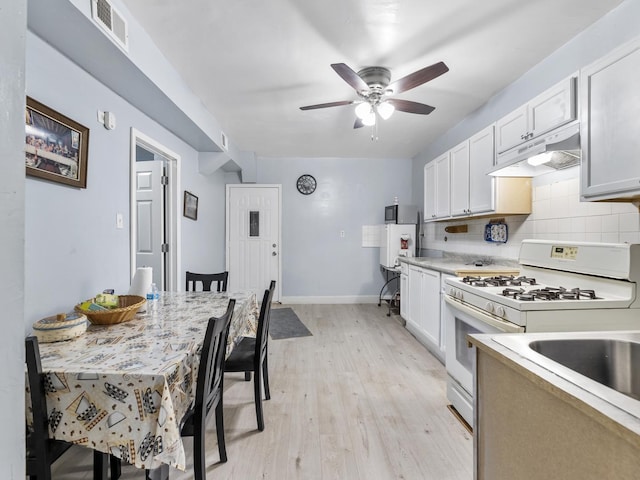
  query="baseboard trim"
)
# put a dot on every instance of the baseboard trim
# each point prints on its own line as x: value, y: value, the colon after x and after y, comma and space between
x: 330, y: 300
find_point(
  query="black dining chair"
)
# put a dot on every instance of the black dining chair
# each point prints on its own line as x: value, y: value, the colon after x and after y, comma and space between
x: 42, y: 451
x: 209, y: 389
x: 250, y: 355
x: 206, y: 279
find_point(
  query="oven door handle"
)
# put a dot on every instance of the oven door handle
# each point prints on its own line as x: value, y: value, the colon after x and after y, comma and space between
x: 501, y: 325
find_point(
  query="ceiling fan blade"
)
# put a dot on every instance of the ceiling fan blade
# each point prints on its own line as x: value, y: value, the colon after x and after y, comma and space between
x: 418, y: 78
x: 349, y: 76
x: 411, y: 107
x: 358, y: 123
x: 330, y: 104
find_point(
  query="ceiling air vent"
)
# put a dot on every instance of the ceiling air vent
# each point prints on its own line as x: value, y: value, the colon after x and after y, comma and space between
x: 111, y: 21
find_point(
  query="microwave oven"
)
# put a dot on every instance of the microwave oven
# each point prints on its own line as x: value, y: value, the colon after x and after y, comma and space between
x: 401, y: 214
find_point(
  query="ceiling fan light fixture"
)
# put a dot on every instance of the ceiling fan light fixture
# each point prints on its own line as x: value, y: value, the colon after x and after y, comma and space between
x: 385, y: 110
x: 363, y: 110
x: 370, y: 119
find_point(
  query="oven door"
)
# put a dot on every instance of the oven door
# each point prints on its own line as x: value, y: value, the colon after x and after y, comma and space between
x: 461, y: 320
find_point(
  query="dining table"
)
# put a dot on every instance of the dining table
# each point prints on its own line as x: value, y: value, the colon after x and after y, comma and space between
x: 123, y: 389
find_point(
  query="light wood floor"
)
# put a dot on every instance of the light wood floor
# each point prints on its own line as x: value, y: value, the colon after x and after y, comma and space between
x: 360, y: 399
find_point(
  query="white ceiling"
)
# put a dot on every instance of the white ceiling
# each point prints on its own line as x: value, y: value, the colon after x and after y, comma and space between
x: 254, y: 62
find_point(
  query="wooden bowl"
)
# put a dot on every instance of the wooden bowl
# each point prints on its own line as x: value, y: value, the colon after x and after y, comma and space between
x: 129, y: 306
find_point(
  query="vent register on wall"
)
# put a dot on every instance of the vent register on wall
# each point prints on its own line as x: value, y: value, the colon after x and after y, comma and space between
x: 112, y: 22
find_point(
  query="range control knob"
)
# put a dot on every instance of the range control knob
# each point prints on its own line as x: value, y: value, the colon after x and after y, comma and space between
x: 500, y: 311
x: 459, y: 295
x: 489, y: 307
x: 452, y: 292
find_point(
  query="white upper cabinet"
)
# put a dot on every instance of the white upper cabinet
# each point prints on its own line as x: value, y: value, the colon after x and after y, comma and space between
x: 481, y: 159
x: 436, y: 188
x: 443, y: 189
x: 471, y: 187
x: 430, y: 191
x: 547, y: 111
x: 610, y: 125
x: 460, y: 179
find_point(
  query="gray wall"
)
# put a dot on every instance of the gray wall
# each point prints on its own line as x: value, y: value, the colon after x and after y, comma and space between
x: 316, y: 261
x: 13, y: 27
x: 73, y: 249
x: 603, y: 36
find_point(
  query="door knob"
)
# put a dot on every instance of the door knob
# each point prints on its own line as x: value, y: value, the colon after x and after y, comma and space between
x: 273, y: 253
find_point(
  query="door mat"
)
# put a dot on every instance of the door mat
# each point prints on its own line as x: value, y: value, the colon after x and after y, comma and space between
x: 286, y: 324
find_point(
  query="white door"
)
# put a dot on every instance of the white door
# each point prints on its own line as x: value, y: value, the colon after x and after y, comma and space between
x: 150, y: 228
x: 253, y: 237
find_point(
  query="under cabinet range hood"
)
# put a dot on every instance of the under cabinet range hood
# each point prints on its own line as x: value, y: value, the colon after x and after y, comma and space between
x: 550, y: 152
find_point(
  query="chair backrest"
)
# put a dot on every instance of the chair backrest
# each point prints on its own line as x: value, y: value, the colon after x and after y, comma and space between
x: 262, y: 335
x: 36, y: 440
x: 211, y: 369
x: 207, y: 279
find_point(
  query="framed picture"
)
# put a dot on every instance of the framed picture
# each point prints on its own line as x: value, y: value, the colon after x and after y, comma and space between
x: 190, y: 205
x: 56, y: 147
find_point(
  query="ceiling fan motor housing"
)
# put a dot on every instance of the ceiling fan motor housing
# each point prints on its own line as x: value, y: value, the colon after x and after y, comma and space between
x: 377, y: 78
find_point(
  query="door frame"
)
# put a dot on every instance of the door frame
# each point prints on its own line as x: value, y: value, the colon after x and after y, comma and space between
x: 278, y: 291
x: 171, y: 214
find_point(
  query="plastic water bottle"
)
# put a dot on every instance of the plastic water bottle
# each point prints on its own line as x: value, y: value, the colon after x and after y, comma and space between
x: 152, y: 298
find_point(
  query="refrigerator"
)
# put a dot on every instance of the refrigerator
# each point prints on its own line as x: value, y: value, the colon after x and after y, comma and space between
x: 396, y: 241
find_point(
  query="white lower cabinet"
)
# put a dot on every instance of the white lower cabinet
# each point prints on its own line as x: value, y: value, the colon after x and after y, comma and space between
x: 404, y: 290
x: 423, y: 309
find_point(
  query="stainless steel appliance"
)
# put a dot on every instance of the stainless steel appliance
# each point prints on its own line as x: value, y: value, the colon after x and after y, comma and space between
x: 562, y: 286
x: 401, y: 214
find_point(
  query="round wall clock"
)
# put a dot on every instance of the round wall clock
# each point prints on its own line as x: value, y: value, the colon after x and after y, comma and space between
x: 306, y: 184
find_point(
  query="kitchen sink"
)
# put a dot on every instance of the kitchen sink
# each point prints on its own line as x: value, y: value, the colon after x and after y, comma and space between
x: 610, y: 362
x: 604, y: 364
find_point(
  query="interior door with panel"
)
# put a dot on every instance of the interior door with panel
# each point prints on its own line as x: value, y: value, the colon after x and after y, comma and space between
x: 150, y: 227
x: 253, y: 237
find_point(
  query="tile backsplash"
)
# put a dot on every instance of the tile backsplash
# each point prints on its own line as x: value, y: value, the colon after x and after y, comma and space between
x: 557, y: 214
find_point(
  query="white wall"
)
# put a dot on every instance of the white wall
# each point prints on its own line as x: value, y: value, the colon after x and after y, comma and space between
x: 13, y: 27
x: 557, y: 214
x: 317, y: 264
x: 73, y: 249
x: 617, y: 27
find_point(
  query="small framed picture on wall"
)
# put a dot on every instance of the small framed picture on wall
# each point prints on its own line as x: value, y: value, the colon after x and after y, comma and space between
x: 190, y: 205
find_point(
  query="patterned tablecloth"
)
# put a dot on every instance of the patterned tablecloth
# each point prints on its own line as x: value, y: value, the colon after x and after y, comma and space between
x: 123, y: 388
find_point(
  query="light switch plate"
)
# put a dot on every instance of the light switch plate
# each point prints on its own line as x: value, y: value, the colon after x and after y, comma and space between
x: 119, y: 221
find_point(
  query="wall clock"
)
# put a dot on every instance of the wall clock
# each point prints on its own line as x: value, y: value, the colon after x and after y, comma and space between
x: 306, y: 184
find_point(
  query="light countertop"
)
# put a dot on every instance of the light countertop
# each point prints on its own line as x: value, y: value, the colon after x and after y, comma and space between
x: 460, y: 267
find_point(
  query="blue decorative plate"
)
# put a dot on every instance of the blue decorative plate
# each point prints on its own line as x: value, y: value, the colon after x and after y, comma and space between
x: 496, y: 232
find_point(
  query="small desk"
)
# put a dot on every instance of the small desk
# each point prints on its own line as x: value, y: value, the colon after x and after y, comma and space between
x: 123, y: 389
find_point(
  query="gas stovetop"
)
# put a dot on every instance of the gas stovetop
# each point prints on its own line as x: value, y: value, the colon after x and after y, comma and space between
x: 557, y: 275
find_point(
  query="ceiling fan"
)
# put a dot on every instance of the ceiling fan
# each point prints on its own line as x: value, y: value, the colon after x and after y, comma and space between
x: 372, y: 84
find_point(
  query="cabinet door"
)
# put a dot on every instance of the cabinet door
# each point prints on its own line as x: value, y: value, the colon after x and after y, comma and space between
x: 430, y: 191
x: 431, y: 306
x: 414, y: 311
x: 553, y: 108
x: 442, y: 186
x: 512, y: 129
x: 481, y: 159
x: 404, y: 295
x: 459, y: 158
x: 609, y: 125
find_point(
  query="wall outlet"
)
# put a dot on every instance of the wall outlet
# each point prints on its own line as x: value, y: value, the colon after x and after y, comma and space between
x: 341, y: 233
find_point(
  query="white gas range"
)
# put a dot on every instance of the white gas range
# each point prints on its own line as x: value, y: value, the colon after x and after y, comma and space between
x: 562, y: 286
